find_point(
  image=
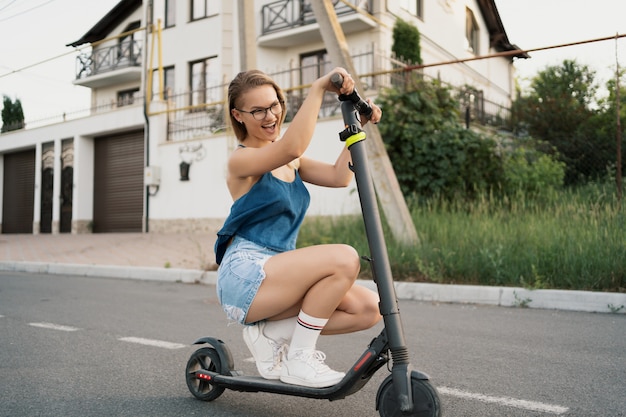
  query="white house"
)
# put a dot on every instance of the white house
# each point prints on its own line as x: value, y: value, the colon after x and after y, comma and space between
x: 150, y: 154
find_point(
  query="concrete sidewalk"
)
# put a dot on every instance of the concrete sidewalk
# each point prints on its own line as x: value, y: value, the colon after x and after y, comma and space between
x: 189, y: 258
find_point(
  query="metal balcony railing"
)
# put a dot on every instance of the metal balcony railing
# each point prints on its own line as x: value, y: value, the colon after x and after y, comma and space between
x: 123, y: 55
x: 288, y: 14
x: 190, y: 118
x: 201, y: 113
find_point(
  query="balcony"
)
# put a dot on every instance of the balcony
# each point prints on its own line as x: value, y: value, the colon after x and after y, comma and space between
x: 291, y: 22
x: 109, y: 65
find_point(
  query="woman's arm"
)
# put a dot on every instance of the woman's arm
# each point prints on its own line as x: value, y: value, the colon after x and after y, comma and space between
x: 339, y: 174
x: 252, y: 161
x: 325, y: 174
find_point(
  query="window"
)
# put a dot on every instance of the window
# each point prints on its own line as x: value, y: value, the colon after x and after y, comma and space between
x: 313, y: 66
x: 203, y: 8
x: 127, y: 48
x: 471, y: 32
x: 203, y: 82
x: 415, y: 7
x: 168, y: 83
x: 127, y: 97
x: 170, y: 13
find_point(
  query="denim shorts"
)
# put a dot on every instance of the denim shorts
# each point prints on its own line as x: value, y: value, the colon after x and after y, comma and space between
x: 240, y: 275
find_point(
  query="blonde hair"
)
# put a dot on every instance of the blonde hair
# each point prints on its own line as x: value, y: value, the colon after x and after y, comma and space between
x: 243, y: 82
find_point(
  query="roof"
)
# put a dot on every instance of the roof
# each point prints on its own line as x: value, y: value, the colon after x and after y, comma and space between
x: 107, y: 24
x: 497, y: 35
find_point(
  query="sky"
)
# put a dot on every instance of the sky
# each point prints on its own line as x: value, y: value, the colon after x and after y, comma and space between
x: 532, y: 24
x: 32, y: 31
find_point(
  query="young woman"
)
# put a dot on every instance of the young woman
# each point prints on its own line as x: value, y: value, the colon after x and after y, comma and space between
x: 285, y: 296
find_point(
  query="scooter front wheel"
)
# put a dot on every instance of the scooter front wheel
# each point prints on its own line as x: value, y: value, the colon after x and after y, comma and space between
x: 205, y: 358
x: 425, y: 399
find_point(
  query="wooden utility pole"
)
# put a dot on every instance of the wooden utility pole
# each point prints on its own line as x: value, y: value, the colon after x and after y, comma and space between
x: 247, y: 36
x: 385, y: 182
x: 618, y: 137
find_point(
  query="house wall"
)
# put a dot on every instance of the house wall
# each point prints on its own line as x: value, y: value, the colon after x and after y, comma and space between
x: 1, y: 186
x: 203, y: 202
x: 82, y: 204
x: 83, y: 131
x: 188, y: 41
x: 108, y: 95
x: 442, y: 31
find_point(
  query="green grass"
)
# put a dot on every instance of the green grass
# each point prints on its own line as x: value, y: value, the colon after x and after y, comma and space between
x: 573, y: 239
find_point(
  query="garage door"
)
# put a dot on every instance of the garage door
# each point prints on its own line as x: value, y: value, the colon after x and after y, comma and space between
x: 118, y: 183
x: 19, y: 192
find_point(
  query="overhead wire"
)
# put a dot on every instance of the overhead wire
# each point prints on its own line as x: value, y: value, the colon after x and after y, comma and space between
x: 25, y: 11
x: 7, y: 5
x: 403, y: 69
x: 511, y: 53
x: 73, y: 51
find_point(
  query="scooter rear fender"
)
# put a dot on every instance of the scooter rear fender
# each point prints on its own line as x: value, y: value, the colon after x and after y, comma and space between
x: 226, y: 358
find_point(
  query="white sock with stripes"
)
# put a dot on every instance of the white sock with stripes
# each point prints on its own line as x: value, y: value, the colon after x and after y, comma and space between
x: 308, y: 329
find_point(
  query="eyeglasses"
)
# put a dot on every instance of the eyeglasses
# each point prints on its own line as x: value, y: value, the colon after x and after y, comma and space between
x: 261, y: 114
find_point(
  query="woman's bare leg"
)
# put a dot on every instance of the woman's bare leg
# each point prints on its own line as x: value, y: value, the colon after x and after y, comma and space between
x: 357, y: 310
x: 317, y: 285
x: 315, y: 278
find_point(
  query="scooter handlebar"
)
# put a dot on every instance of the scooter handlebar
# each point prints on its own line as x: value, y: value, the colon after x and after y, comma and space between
x: 359, y: 104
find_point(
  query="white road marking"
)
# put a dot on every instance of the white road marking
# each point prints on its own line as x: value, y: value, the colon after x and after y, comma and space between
x: 506, y: 401
x: 53, y: 326
x: 152, y: 342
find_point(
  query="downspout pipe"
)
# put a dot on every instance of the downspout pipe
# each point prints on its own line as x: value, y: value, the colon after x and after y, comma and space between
x: 146, y: 130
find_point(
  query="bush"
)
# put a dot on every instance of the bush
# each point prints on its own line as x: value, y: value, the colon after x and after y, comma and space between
x: 432, y: 153
x: 531, y: 172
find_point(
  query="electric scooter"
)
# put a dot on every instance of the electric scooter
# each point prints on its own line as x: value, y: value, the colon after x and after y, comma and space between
x: 405, y: 391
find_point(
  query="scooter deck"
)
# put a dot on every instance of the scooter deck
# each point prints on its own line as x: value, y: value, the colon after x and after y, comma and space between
x: 245, y: 383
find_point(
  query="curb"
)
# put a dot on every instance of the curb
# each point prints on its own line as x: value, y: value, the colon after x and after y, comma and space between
x: 585, y: 301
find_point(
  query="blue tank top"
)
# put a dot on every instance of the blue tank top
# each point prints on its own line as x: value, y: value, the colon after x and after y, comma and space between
x: 269, y: 214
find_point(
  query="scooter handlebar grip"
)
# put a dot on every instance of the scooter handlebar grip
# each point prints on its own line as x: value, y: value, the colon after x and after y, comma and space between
x: 337, y: 79
x: 359, y: 104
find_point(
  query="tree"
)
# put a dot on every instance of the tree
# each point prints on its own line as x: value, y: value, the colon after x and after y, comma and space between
x: 605, y: 124
x: 406, y: 42
x: 559, y: 110
x: 12, y: 115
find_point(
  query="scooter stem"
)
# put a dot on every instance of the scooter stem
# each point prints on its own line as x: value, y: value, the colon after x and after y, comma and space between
x: 379, y: 260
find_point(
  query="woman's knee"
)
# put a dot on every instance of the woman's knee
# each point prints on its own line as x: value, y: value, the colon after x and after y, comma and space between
x: 347, y: 261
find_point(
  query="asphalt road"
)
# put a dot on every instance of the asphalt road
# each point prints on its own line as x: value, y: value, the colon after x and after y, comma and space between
x: 75, y: 346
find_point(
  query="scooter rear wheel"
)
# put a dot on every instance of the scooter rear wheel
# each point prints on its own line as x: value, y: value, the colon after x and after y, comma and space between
x: 425, y: 399
x: 205, y: 358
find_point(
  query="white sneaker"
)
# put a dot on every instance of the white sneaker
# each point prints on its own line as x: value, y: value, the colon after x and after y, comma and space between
x: 307, y: 368
x: 266, y: 353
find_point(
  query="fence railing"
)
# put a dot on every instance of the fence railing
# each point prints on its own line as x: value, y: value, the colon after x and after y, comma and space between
x: 289, y: 14
x: 123, y: 55
x: 186, y: 121
x: 189, y: 118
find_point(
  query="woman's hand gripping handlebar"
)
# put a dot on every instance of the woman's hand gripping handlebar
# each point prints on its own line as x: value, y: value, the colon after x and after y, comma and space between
x: 363, y: 107
x: 351, y: 105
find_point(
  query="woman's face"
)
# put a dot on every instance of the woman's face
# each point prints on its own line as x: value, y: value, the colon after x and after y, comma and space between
x: 260, y: 111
